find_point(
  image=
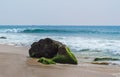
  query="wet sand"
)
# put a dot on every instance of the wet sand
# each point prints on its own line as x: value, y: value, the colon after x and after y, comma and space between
x: 15, y: 62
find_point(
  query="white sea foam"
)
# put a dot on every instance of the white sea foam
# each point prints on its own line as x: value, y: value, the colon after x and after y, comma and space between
x: 14, y: 30
x: 75, y: 43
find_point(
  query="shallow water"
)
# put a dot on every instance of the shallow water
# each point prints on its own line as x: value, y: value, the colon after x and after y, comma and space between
x: 85, y: 41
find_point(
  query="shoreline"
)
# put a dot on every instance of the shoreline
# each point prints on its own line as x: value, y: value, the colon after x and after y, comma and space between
x: 14, y: 49
x: 20, y: 65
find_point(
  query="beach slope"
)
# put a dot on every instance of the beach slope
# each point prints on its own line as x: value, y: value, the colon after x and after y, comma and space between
x: 15, y: 62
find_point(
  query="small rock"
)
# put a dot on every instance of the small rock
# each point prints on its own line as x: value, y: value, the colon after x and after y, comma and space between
x: 2, y: 37
x: 106, y: 59
x: 101, y: 63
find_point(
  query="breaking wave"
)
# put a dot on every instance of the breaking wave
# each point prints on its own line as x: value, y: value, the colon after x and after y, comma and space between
x: 17, y: 30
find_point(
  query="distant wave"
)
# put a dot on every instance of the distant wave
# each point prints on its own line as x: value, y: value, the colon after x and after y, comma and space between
x: 43, y: 31
x: 33, y: 31
x: 17, y: 30
x: 56, y: 31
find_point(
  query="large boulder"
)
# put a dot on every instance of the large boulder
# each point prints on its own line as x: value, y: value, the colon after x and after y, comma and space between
x: 49, y: 50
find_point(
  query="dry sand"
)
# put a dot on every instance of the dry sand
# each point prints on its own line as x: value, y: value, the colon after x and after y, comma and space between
x: 15, y: 62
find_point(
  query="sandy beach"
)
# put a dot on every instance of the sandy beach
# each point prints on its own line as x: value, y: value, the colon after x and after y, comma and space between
x: 15, y: 62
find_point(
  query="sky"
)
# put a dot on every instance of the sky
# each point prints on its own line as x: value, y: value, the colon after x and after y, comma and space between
x: 59, y: 12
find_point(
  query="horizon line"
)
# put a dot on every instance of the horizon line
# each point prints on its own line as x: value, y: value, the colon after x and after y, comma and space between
x: 50, y: 25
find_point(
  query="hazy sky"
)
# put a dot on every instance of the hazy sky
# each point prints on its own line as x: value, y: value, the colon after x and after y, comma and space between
x: 60, y: 12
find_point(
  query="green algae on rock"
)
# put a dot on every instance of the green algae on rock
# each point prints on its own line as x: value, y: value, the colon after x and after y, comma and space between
x: 46, y: 61
x: 108, y: 59
x: 67, y: 58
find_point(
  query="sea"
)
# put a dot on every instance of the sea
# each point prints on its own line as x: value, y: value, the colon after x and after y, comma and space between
x: 86, y: 42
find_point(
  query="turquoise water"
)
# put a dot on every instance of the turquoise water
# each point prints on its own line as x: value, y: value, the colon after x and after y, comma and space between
x: 86, y: 41
x: 109, y: 32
